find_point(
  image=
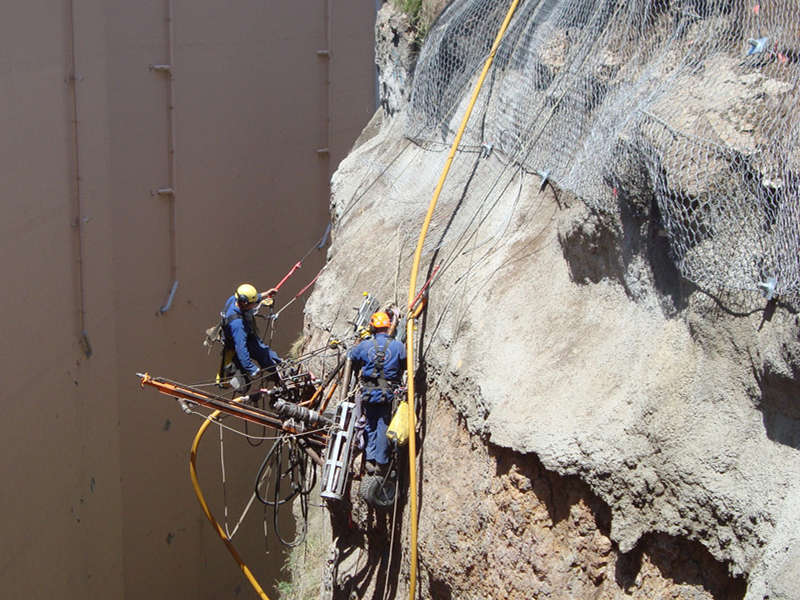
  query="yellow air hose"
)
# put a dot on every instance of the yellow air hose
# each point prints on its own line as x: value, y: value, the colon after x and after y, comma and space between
x: 412, y: 450
x: 217, y: 527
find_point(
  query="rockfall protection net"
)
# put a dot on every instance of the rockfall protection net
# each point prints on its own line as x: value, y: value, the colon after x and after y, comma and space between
x: 688, y: 106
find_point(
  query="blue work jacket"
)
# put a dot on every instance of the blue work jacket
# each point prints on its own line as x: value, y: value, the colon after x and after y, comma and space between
x: 239, y: 331
x: 365, y: 359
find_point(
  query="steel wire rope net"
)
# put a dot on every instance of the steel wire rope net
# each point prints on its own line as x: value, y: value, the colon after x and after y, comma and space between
x: 685, y: 106
x: 686, y: 110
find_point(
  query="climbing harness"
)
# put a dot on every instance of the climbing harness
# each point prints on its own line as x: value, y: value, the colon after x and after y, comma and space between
x: 229, y: 373
x: 378, y: 381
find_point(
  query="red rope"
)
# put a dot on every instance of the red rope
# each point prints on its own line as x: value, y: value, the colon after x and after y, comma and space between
x: 289, y: 274
x: 427, y: 283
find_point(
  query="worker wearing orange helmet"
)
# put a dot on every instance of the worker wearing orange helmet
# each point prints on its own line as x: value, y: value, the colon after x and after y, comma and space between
x: 379, y: 362
x: 239, y: 330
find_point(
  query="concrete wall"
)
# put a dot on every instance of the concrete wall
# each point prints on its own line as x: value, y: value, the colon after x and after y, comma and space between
x: 96, y: 497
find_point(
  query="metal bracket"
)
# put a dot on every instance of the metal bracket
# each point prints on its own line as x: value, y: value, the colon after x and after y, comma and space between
x: 161, y: 68
x: 545, y: 176
x: 85, y: 345
x: 170, y: 297
x: 757, y: 45
x: 768, y: 287
x: 325, y: 235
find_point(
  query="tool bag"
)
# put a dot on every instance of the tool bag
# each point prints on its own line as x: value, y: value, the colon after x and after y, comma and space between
x: 398, y: 427
x: 227, y: 370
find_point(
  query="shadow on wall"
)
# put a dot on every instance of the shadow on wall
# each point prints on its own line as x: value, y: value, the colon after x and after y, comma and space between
x: 682, y: 561
x: 599, y: 246
x: 780, y: 408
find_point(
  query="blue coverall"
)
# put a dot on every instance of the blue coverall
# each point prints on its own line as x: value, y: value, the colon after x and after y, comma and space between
x: 376, y: 401
x: 240, y: 332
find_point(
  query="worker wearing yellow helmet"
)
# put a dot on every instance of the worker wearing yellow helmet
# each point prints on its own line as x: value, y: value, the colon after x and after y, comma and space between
x: 380, y: 362
x: 239, y: 331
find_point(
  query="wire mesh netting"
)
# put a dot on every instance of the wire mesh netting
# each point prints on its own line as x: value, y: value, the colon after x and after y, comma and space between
x: 688, y: 105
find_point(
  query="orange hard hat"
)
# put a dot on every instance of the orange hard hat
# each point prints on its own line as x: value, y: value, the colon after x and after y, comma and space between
x: 380, y: 320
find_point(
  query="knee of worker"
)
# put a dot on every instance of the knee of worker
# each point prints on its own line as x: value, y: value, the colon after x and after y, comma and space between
x: 264, y: 355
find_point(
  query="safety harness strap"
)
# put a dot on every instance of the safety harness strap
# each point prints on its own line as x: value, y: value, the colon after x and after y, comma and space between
x: 378, y: 381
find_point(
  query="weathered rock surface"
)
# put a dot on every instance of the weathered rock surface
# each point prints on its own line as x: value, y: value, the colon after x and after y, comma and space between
x: 395, y: 56
x: 592, y: 424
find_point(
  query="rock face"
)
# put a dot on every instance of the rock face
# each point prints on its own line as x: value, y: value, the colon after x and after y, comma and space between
x: 591, y: 424
x: 394, y: 56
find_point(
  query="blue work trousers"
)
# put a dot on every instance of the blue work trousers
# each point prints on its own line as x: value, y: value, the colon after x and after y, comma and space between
x: 378, y: 415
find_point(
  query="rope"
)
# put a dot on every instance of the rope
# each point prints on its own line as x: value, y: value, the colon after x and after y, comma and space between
x: 297, y: 469
x: 296, y: 296
x: 224, y: 487
x: 241, y: 518
x: 412, y: 292
x: 298, y: 265
x: 256, y: 437
x: 391, y: 537
x: 541, y: 124
x: 246, y: 509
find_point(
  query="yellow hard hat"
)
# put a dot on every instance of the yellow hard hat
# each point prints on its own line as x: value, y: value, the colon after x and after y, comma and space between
x: 246, y: 294
x: 380, y: 320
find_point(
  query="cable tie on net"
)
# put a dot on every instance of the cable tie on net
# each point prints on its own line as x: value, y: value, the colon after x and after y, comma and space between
x: 757, y: 45
x: 545, y: 176
x: 768, y: 287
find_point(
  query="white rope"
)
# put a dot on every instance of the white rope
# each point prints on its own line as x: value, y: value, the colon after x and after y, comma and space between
x: 224, y: 487
x: 391, y: 537
x: 244, y: 513
x: 249, y: 504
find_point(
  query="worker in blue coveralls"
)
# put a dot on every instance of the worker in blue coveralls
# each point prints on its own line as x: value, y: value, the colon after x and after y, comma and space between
x: 380, y: 361
x: 251, y: 354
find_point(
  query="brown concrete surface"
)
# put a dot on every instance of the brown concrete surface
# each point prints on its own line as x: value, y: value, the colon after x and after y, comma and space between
x: 96, y: 497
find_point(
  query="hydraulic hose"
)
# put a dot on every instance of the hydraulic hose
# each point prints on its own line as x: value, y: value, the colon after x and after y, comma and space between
x: 217, y: 527
x: 412, y: 291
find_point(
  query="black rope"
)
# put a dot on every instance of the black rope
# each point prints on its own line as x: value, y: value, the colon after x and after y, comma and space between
x: 301, y: 476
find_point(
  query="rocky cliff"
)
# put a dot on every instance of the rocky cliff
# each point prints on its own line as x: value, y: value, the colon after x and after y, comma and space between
x: 593, y: 424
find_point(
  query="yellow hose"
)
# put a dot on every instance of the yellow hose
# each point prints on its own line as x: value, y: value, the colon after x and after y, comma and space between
x: 412, y: 450
x: 217, y: 527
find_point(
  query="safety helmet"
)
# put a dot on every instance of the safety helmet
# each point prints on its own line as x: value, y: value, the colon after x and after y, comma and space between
x: 246, y: 294
x: 380, y: 320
